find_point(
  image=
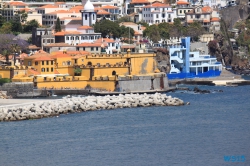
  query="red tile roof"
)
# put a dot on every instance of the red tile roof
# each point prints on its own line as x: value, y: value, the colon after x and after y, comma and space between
x: 215, y: 19
x: 182, y: 3
x: 49, y: 6
x: 43, y: 58
x: 206, y: 9
x: 33, y: 72
x: 100, y: 40
x: 109, y: 7
x: 17, y: 3
x: 102, y: 12
x: 66, y: 33
x: 89, y: 45
x: 158, y: 4
x: 139, y: 1
x: 85, y: 27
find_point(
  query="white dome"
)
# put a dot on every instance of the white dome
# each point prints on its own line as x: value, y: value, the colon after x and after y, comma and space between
x: 88, y: 6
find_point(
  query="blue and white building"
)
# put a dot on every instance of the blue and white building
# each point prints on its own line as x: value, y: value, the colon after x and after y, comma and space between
x: 187, y: 64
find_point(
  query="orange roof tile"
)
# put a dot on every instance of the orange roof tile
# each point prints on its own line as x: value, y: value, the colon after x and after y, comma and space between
x: 25, y: 9
x: 84, y: 27
x: 66, y: 33
x: 137, y: 33
x: 182, y: 3
x: 100, y: 40
x: 206, y: 20
x: 215, y: 19
x: 102, y: 12
x: 157, y: 4
x: 23, y: 55
x: 206, y: 9
x: 17, y: 3
x: 49, y: 6
x: 58, y: 3
x: 61, y: 11
x: 60, y: 55
x: 109, y: 7
x: 89, y: 45
x: 43, y: 58
x: 33, y: 72
x: 139, y: 1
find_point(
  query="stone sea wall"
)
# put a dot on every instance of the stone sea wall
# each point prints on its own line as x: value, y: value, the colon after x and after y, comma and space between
x: 67, y: 105
x: 13, y: 89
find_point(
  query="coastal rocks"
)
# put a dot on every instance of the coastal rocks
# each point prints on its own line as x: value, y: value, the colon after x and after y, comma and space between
x: 81, y: 104
x: 3, y: 95
x: 197, y: 90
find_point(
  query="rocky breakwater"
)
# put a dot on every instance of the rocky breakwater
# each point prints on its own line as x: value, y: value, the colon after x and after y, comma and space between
x: 81, y: 104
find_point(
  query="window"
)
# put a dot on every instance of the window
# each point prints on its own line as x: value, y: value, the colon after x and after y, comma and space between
x: 77, y: 37
x: 42, y: 62
x: 51, y: 62
x: 72, y: 38
x: 67, y: 38
x: 47, y: 69
x: 36, y: 63
x: 52, y: 69
x: 86, y: 17
x: 180, y: 11
x: 43, y: 69
x: 29, y: 63
x: 96, y: 48
x: 83, y: 48
x: 157, y: 16
x: 92, y: 48
x: 47, y: 62
x: 68, y: 63
x: 93, y: 16
x: 77, y: 48
x: 163, y: 15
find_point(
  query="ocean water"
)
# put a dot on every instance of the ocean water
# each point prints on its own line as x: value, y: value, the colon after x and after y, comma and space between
x: 213, y: 126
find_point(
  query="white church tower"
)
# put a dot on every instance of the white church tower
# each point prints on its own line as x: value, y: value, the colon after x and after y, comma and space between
x: 88, y: 13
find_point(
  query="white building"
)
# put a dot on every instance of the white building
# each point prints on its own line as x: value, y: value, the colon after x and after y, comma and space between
x: 157, y: 13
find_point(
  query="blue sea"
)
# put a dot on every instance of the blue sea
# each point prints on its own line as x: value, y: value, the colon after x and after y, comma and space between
x: 213, y: 130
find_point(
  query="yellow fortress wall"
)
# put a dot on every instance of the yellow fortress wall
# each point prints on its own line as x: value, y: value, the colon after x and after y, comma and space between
x: 100, y: 71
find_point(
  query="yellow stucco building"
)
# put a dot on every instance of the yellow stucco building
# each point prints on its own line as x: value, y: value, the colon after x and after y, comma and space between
x: 78, y: 69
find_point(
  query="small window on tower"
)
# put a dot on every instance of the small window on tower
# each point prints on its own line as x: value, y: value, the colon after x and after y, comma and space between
x: 86, y: 17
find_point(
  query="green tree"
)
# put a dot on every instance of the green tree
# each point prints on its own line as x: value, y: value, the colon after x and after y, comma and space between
x: 77, y: 71
x: 127, y: 33
x: 6, y: 28
x: 164, y: 30
x: 107, y: 28
x: 143, y: 23
x: 58, y: 25
x: 194, y: 30
x: 16, y: 27
x: 27, y: 28
x: 2, y: 20
x: 153, y: 33
x: 124, y: 19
